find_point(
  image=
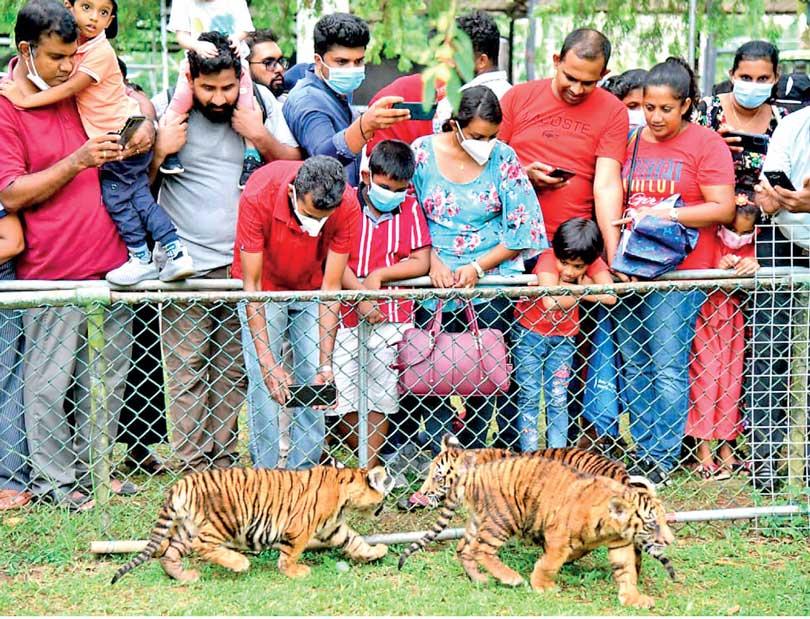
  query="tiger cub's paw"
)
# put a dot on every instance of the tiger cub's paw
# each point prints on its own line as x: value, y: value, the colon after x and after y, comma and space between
x: 378, y: 551
x: 636, y: 600
x: 541, y: 585
x: 296, y: 570
x: 188, y: 576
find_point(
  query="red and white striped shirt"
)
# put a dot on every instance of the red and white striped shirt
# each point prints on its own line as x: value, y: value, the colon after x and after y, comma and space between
x: 379, y: 245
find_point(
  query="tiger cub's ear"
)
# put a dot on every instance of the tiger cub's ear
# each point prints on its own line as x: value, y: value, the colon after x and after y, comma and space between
x: 638, y: 481
x: 619, y: 509
x: 379, y: 479
x: 450, y: 442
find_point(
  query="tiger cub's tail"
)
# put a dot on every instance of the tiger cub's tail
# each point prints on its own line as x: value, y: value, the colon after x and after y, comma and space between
x: 446, y: 514
x: 159, y: 533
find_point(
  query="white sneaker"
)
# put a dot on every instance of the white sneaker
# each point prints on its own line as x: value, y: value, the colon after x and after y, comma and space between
x: 179, y: 267
x: 132, y: 271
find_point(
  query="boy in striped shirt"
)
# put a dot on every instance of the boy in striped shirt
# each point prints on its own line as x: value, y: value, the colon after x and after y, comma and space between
x: 392, y: 243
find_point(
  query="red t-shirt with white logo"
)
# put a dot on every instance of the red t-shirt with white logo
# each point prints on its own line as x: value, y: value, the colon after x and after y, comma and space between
x: 697, y: 156
x: 532, y: 314
x: 379, y: 245
x: 541, y: 127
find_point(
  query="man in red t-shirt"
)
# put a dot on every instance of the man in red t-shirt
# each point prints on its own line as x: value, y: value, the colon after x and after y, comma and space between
x: 296, y: 227
x: 49, y: 174
x: 567, y: 122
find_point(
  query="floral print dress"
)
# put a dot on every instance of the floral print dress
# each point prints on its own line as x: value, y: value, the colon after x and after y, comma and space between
x: 747, y: 166
x: 467, y: 220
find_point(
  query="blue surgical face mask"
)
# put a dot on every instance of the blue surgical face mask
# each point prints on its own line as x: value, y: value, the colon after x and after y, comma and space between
x: 345, y: 80
x: 385, y: 200
x: 751, y: 95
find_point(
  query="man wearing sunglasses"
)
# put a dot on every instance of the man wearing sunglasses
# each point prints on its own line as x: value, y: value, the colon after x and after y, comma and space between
x: 267, y: 65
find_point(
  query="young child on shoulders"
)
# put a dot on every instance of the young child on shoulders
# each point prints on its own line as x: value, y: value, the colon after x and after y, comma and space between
x: 392, y: 243
x: 188, y: 20
x: 544, y: 349
x: 104, y: 107
x: 716, y: 371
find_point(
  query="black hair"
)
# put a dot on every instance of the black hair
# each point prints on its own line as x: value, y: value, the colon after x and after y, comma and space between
x: 393, y: 158
x: 324, y: 179
x: 341, y: 29
x: 622, y: 85
x: 476, y: 102
x: 122, y: 66
x: 675, y: 73
x: 757, y: 50
x: 578, y: 238
x: 42, y: 18
x: 749, y: 208
x: 225, y: 59
x: 588, y: 44
x: 483, y: 32
x: 260, y: 36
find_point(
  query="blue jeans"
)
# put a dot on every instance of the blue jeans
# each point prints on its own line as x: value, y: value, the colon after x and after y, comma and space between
x: 601, y: 406
x: 542, y: 363
x: 654, y: 333
x: 129, y: 201
x: 299, y: 322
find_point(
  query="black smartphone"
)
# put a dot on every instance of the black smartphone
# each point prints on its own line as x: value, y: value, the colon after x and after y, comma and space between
x: 129, y: 129
x: 312, y: 395
x: 416, y: 109
x: 751, y: 142
x: 562, y: 173
x: 777, y: 178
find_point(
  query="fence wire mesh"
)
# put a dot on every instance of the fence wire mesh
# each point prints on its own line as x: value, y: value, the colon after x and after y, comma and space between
x: 700, y: 385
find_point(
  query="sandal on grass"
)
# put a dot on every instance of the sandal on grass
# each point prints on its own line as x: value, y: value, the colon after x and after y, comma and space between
x: 713, y: 471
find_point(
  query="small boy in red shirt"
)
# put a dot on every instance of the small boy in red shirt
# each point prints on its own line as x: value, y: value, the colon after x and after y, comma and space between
x: 547, y: 326
x: 392, y: 243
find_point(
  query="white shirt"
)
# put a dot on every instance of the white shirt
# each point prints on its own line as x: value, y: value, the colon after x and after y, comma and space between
x: 198, y: 16
x: 789, y: 151
x: 494, y: 80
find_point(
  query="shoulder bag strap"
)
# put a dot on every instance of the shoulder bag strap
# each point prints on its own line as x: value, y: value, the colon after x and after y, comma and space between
x: 635, y: 138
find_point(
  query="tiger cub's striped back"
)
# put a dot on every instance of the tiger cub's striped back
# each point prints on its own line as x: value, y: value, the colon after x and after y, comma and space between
x: 215, y: 512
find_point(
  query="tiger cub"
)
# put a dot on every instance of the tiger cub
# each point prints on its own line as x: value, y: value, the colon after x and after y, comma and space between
x: 219, y: 512
x: 444, y: 472
x: 568, y: 512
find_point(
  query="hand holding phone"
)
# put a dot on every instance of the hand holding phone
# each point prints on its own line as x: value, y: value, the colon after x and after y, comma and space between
x: 312, y: 395
x: 132, y: 125
x: 562, y: 174
x: 751, y: 142
x: 778, y: 178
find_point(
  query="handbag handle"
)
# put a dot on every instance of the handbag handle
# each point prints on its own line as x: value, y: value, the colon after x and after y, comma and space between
x: 469, y: 311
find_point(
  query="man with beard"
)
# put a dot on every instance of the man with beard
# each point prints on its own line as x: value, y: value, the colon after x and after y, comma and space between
x: 267, y: 63
x: 201, y: 345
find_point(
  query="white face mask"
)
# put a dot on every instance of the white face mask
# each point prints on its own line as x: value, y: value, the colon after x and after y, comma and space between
x: 310, y: 225
x: 637, y: 118
x: 33, y: 74
x: 732, y: 240
x: 479, y: 150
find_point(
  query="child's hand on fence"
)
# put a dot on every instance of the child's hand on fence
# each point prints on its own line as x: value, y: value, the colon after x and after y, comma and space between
x: 372, y: 281
x: 747, y: 266
x: 466, y: 277
x: 370, y: 312
x: 729, y: 261
x: 440, y: 274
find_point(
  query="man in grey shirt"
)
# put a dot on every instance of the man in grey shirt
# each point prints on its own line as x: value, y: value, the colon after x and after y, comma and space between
x: 201, y: 344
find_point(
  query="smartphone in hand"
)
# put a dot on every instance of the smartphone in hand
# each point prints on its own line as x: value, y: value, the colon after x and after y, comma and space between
x: 751, y: 142
x: 130, y: 127
x: 562, y: 173
x: 416, y: 109
x: 312, y: 395
x: 778, y: 178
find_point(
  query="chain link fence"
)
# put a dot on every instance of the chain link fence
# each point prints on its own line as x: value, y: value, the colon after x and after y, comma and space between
x: 699, y: 383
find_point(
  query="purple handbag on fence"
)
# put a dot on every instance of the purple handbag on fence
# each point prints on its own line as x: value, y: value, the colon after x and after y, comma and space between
x: 431, y: 362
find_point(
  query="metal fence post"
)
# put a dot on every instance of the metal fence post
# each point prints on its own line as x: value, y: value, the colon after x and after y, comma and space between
x: 797, y: 424
x: 95, y: 301
x: 362, y: 387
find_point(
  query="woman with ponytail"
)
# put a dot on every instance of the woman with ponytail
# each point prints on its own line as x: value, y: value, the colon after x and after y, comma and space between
x: 655, y: 330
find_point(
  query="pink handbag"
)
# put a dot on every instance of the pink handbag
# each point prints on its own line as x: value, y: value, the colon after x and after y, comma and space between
x: 431, y: 362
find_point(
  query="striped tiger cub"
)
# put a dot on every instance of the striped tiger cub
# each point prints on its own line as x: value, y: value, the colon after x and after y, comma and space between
x: 446, y: 468
x: 569, y: 512
x: 217, y: 513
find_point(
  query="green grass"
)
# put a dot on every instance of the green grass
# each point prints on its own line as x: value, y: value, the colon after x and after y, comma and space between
x: 732, y: 575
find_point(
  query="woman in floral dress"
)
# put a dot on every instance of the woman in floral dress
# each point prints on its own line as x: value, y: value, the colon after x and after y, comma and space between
x: 484, y: 218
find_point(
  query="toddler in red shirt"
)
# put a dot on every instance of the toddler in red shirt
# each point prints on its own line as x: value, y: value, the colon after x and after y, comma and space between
x: 547, y: 326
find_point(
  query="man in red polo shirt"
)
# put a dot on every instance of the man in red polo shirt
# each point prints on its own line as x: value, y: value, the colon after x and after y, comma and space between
x: 567, y: 122
x: 295, y: 231
x: 49, y: 175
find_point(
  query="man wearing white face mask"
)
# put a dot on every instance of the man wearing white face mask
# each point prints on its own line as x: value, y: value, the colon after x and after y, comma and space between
x: 295, y: 231
x: 318, y: 110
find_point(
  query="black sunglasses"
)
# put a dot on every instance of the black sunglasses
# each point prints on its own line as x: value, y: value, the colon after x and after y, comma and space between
x: 270, y: 63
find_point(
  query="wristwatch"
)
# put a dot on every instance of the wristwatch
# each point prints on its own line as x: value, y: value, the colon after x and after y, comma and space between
x: 673, y: 215
x: 326, y: 367
x: 478, y: 269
